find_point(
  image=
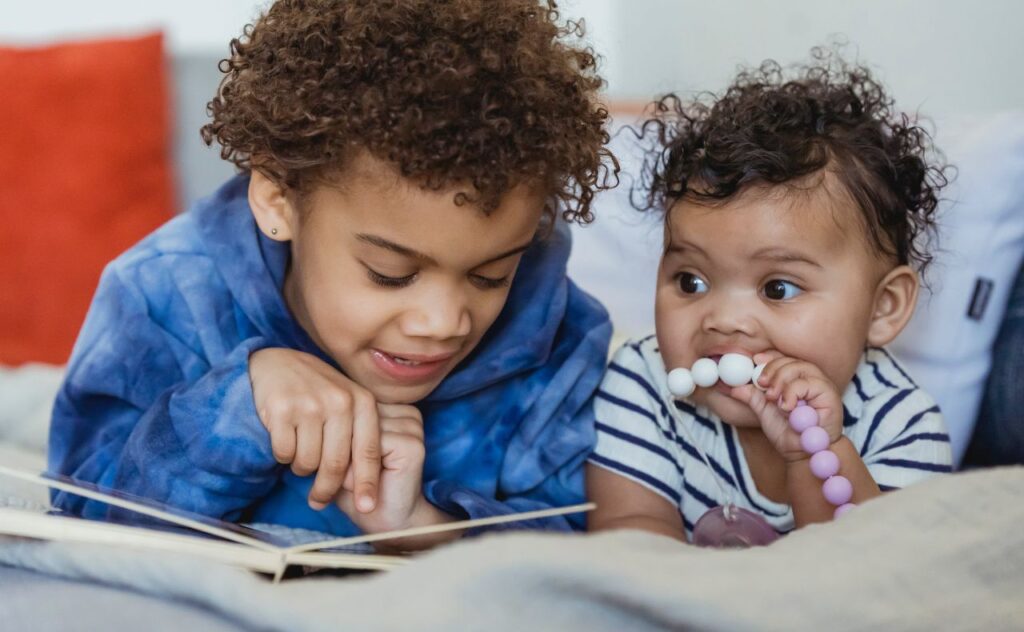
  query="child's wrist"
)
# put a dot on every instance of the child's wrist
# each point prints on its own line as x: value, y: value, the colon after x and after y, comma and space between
x: 424, y: 514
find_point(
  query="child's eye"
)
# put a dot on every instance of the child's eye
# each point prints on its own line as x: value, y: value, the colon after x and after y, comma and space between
x: 390, y: 282
x: 691, y: 283
x: 488, y: 283
x: 779, y: 290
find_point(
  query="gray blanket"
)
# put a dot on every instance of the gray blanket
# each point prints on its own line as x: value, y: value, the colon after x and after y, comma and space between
x: 947, y: 554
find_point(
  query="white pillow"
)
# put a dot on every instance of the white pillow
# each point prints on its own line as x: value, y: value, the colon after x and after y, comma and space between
x: 947, y: 347
x: 616, y: 257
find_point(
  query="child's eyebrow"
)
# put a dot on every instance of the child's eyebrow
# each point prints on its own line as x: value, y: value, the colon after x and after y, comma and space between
x: 783, y: 255
x: 682, y: 246
x: 380, y: 242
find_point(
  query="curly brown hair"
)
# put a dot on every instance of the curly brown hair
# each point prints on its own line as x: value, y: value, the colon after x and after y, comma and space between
x: 485, y: 93
x: 771, y: 129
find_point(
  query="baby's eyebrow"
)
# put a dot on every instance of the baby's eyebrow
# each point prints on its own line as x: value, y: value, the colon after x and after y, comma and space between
x: 681, y: 246
x: 782, y: 255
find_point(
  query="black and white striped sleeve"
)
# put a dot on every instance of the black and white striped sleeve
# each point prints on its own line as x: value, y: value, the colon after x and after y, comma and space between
x: 907, y: 440
x: 634, y: 436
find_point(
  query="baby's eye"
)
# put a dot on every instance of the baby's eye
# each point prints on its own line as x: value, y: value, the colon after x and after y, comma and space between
x: 779, y: 290
x: 690, y: 283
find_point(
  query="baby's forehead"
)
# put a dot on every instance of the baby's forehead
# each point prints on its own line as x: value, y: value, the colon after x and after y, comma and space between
x: 815, y: 213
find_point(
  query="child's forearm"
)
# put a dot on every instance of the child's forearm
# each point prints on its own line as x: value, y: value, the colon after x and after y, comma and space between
x: 808, y: 501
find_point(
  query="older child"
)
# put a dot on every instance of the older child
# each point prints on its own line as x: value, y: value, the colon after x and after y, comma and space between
x: 379, y: 300
x: 794, y: 216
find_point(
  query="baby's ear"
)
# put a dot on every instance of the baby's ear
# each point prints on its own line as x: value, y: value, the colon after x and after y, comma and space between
x: 271, y: 207
x: 895, y: 299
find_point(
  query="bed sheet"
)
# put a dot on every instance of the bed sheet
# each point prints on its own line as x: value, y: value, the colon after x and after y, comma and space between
x: 946, y: 554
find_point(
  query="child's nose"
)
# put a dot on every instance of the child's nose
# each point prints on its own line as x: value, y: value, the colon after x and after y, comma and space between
x: 438, y: 314
x: 730, y: 314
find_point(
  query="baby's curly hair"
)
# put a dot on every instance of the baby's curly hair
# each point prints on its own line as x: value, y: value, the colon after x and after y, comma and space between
x: 486, y: 93
x: 771, y: 129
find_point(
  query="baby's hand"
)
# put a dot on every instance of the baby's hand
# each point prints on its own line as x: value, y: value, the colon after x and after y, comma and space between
x: 401, y: 503
x: 319, y: 421
x: 787, y: 381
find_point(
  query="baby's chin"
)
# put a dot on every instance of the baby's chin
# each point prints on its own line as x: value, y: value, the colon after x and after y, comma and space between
x: 729, y: 410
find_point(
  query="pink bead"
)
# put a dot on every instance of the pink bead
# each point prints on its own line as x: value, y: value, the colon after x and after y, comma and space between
x: 802, y: 418
x: 814, y: 440
x: 825, y: 464
x: 841, y: 510
x: 838, y: 490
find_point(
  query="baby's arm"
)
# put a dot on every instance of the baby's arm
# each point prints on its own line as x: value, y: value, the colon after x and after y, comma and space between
x: 624, y: 504
x: 806, y: 497
x: 635, y: 474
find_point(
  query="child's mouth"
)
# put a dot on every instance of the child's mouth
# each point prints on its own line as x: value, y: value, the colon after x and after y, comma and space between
x: 409, y: 368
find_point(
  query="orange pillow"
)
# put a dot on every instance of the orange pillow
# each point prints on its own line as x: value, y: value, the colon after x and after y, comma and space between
x: 85, y: 166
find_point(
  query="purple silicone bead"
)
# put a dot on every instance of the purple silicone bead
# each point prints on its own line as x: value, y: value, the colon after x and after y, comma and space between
x: 838, y: 490
x: 802, y: 418
x: 814, y: 440
x: 842, y: 510
x: 825, y: 464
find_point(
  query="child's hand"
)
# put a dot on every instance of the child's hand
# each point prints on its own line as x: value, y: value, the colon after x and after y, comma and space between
x: 402, y: 504
x: 319, y: 421
x: 787, y: 381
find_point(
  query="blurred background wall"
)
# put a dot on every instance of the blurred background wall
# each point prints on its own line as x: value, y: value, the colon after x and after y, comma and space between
x: 948, y: 58
x: 945, y: 56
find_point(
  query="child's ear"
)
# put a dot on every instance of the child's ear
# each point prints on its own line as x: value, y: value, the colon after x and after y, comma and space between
x: 271, y: 207
x: 895, y: 299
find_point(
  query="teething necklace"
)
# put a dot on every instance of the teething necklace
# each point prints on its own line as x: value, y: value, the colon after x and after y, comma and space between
x: 732, y: 526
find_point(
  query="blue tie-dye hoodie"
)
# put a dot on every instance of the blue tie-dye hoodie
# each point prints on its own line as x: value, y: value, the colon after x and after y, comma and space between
x: 157, y: 400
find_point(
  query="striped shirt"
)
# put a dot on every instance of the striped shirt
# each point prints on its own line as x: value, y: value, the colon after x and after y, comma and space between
x: 895, y: 426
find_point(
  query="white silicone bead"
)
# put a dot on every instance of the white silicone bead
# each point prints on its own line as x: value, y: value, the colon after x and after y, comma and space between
x: 705, y: 372
x: 735, y: 369
x: 680, y: 383
x: 757, y: 374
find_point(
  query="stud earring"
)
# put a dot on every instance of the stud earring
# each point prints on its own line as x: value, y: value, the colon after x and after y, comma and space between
x: 273, y: 231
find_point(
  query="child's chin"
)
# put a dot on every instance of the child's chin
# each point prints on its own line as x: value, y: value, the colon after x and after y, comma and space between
x: 731, y: 411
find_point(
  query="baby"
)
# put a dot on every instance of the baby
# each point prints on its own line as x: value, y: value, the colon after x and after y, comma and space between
x: 796, y: 211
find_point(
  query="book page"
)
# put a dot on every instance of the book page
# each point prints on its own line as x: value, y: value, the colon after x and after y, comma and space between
x: 271, y: 540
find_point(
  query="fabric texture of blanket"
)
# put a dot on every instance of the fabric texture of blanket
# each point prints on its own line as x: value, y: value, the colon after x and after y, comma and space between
x: 947, y: 554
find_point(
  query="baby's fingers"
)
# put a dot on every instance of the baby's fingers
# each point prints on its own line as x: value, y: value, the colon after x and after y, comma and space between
x: 817, y: 393
x: 782, y: 374
x: 755, y: 399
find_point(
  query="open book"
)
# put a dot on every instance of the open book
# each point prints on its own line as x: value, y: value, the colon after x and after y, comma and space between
x: 263, y: 548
